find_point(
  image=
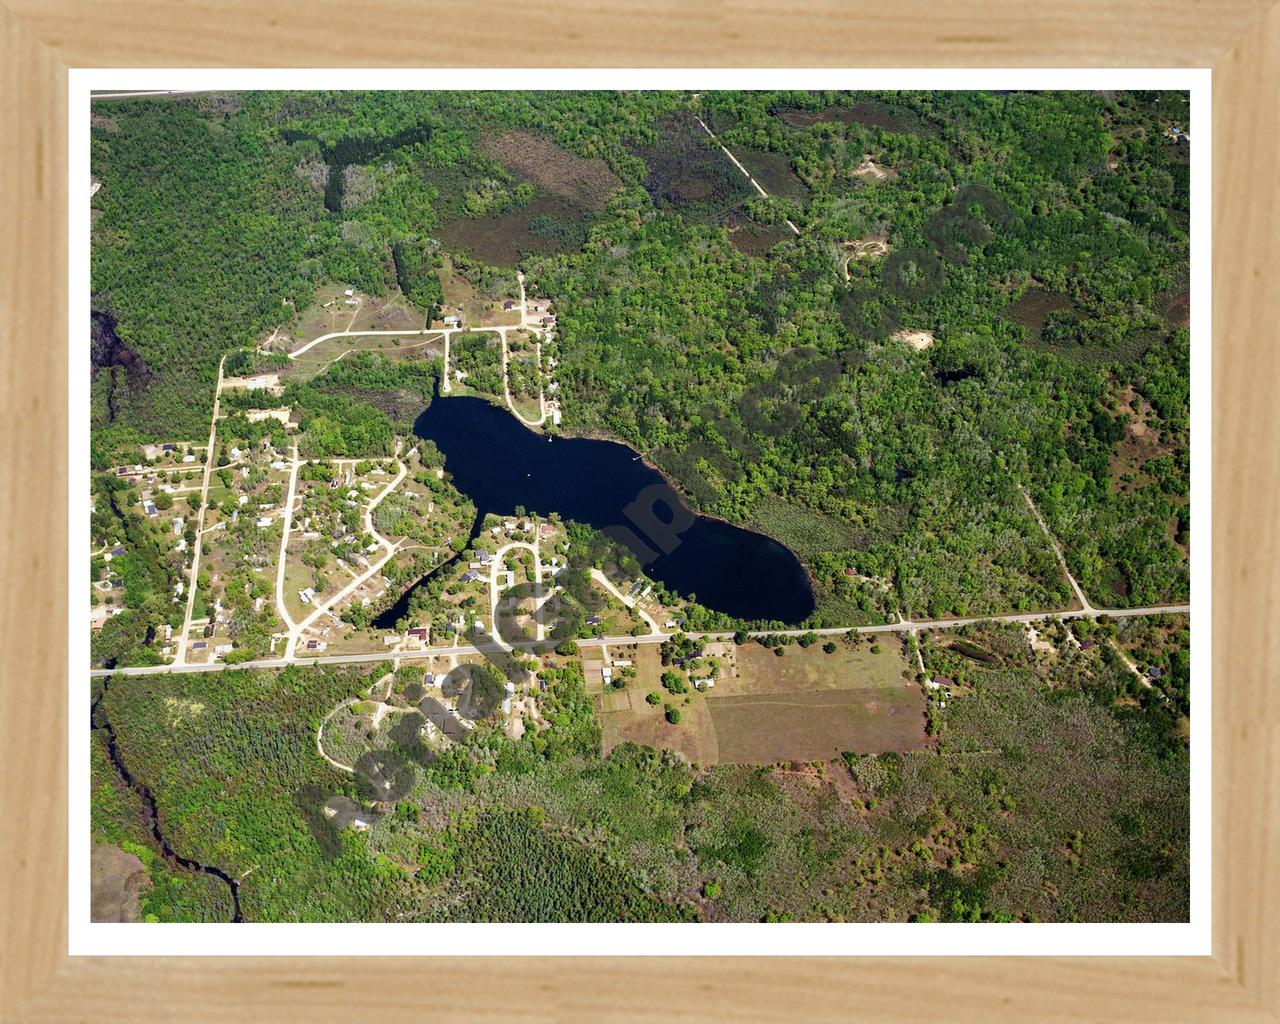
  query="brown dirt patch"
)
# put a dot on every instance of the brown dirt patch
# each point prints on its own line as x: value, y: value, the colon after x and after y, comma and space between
x: 116, y: 881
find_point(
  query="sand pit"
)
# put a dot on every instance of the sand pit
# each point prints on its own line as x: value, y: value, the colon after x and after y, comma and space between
x: 918, y: 340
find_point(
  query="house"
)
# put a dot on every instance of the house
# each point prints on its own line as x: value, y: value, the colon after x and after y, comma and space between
x: 236, y: 453
x: 264, y: 521
x: 547, y: 321
x: 594, y: 620
x: 420, y: 633
x: 453, y: 320
x: 188, y: 458
x: 150, y: 508
x: 621, y: 663
x: 305, y: 596
x: 467, y: 577
x: 478, y: 626
x: 943, y: 682
x: 199, y: 645
x: 509, y: 304
x: 350, y: 293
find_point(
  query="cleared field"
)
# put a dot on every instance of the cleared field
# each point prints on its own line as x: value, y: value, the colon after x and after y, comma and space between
x: 329, y: 312
x: 800, y: 670
x: 808, y: 705
x: 408, y: 346
x: 804, y: 706
x: 694, y: 736
x: 818, y: 725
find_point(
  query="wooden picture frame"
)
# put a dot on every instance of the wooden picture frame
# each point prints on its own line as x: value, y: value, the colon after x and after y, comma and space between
x: 41, y: 39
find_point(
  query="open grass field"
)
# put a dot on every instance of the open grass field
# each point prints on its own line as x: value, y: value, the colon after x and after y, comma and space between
x: 817, y: 725
x: 800, y: 670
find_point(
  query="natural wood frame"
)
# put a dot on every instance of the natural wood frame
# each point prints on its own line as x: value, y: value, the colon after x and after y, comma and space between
x: 40, y: 39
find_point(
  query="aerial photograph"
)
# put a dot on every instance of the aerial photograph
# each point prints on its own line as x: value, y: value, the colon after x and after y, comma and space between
x: 638, y: 506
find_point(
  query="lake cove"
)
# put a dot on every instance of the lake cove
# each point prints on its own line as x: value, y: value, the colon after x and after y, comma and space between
x: 500, y: 464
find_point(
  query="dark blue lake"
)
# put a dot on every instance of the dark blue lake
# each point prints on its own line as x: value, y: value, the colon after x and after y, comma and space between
x: 500, y: 464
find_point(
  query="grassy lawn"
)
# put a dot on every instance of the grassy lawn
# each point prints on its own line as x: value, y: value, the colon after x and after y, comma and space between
x: 297, y: 577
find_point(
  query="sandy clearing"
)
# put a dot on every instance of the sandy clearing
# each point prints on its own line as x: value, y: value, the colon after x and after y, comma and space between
x: 918, y: 340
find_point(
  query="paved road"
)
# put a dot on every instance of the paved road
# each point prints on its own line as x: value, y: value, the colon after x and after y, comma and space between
x: 180, y: 650
x: 634, y: 605
x: 462, y: 649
